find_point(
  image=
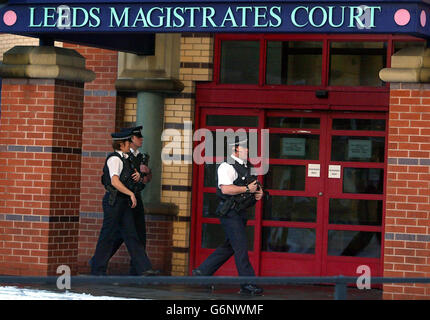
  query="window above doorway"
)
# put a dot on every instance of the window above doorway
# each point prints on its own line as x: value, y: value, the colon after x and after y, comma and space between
x: 304, y: 60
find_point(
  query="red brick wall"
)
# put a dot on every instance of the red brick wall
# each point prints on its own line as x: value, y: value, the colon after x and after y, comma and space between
x: 407, y: 238
x: 40, y: 155
x: 159, y: 242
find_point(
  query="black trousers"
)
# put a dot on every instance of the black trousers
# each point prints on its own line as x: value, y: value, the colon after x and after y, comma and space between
x: 236, y: 243
x: 140, y: 224
x: 119, y: 223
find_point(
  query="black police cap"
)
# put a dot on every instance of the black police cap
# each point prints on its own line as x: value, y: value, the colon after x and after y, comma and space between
x: 122, y: 135
x: 239, y: 141
x: 135, y: 131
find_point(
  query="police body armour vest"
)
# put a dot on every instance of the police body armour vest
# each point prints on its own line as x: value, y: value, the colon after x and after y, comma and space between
x: 125, y: 176
x: 242, y: 173
x: 135, y: 162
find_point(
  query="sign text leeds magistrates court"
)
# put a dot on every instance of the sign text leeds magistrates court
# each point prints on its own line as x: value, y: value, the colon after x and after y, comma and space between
x: 217, y: 16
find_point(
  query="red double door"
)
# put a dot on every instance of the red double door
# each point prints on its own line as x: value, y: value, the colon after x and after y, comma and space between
x: 326, y: 178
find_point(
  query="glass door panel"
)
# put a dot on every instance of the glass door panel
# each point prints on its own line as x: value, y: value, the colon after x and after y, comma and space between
x: 291, y: 229
x: 210, y: 233
x: 315, y: 222
x: 354, y: 201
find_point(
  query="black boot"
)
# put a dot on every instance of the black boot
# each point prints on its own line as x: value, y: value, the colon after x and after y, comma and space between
x: 150, y: 273
x: 251, y: 290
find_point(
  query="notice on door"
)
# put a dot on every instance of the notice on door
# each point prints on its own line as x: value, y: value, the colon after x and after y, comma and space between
x: 334, y: 172
x: 314, y: 170
x: 293, y: 147
x: 360, y: 149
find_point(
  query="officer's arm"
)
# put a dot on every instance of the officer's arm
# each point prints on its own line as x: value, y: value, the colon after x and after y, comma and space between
x: 122, y: 188
x: 232, y: 189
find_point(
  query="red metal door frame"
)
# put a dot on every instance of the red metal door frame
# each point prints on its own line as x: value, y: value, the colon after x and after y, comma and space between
x: 261, y: 96
x: 333, y: 189
x: 199, y: 190
x: 297, y: 264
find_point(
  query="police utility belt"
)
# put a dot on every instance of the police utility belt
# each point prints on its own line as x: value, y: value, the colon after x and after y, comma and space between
x: 237, y: 203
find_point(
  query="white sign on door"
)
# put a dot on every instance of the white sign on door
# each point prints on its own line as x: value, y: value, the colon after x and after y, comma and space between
x: 314, y: 170
x: 334, y: 171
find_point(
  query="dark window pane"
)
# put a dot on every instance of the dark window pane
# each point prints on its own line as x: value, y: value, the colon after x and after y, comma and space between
x: 357, y: 63
x: 359, y: 124
x: 286, y: 177
x: 210, y: 203
x: 294, y: 63
x: 288, y: 146
x: 356, y: 212
x: 221, y: 141
x: 363, y: 180
x: 354, y: 243
x: 292, y: 240
x: 294, y: 123
x: 213, y: 236
x: 240, y: 62
x: 231, y: 121
x: 359, y: 149
x: 220, y: 145
x: 298, y: 209
x: 398, y: 45
x: 210, y: 175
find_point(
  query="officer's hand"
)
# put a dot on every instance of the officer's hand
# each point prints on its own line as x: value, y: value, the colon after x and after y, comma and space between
x: 136, y: 176
x: 133, y: 200
x: 253, y: 186
x: 258, y: 195
x: 144, y: 169
x: 147, y: 178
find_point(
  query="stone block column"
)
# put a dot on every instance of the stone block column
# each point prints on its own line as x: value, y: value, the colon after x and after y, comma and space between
x: 407, y: 214
x: 40, y: 158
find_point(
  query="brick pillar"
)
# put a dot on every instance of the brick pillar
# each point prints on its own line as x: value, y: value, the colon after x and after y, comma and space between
x: 407, y: 218
x: 40, y: 156
x: 407, y: 214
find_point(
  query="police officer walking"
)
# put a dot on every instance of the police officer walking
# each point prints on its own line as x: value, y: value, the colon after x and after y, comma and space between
x: 139, y: 164
x: 119, y: 179
x: 233, y: 182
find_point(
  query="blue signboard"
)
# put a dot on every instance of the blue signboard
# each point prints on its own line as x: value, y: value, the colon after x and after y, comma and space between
x: 29, y: 17
x: 95, y: 22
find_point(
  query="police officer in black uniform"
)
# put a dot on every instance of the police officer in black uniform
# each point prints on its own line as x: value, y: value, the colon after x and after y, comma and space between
x: 119, y: 179
x: 139, y: 162
x: 232, y: 181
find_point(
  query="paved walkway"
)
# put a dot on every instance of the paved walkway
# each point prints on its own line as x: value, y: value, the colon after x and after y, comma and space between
x: 220, y: 292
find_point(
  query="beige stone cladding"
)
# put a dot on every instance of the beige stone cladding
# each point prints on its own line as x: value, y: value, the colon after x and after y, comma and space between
x: 8, y: 41
x: 196, y: 64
